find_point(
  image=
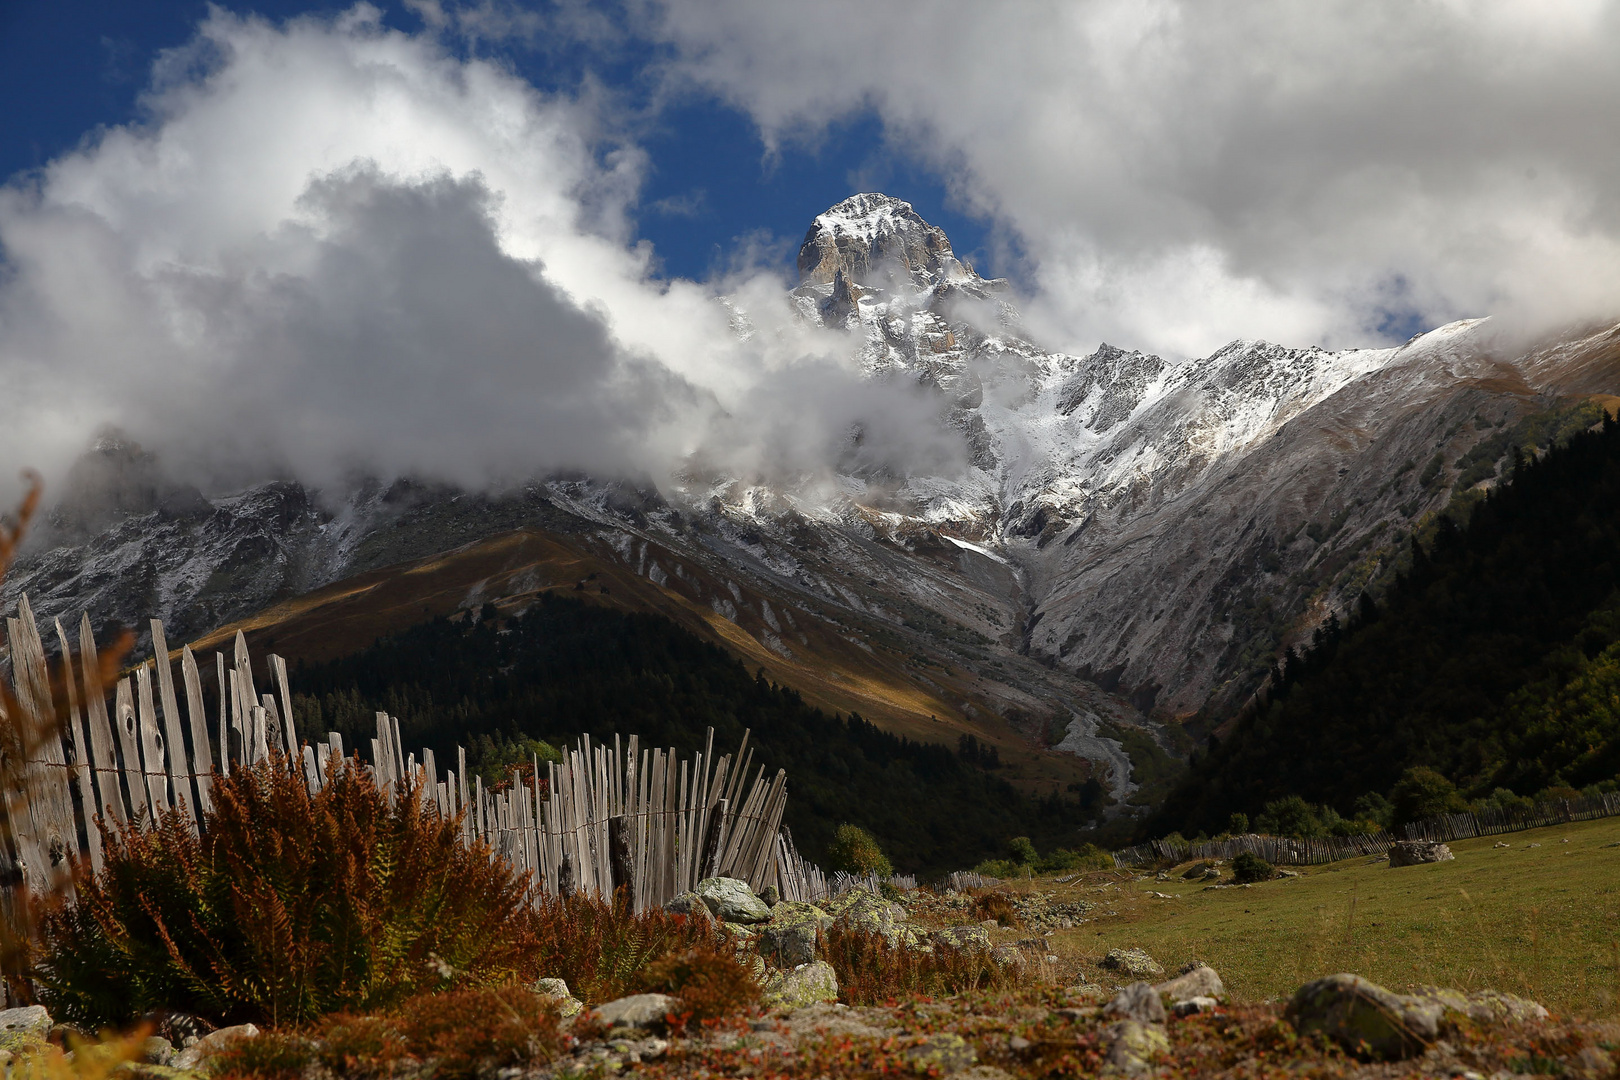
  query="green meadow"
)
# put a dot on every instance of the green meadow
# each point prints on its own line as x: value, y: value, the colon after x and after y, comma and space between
x: 1539, y: 921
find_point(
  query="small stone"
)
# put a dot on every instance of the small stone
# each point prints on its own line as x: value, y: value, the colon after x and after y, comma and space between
x: 1502, y: 843
x: 1415, y: 852
x: 989, y: 924
x: 642, y: 1012
x: 1201, y: 981
x: 1017, y: 1043
x: 805, y: 985
x: 1532, y: 845
x: 1133, y: 962
x: 941, y: 1055
x: 770, y: 897
x: 1194, y: 1005
x: 859, y: 909
x: 212, y: 1043
x: 1139, y: 1002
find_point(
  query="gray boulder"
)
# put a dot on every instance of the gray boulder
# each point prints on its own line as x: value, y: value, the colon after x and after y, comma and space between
x: 1413, y: 852
x: 691, y: 905
x: 967, y: 939
x: 1133, y: 962
x: 1201, y: 981
x: 200, y: 1052
x: 1366, y: 1018
x: 1139, y: 1002
x: 732, y: 901
x: 29, y: 1020
x: 805, y: 985
x: 640, y: 1012
x: 789, y: 939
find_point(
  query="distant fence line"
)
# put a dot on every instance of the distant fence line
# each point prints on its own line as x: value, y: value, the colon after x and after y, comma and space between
x: 602, y: 818
x: 1284, y: 851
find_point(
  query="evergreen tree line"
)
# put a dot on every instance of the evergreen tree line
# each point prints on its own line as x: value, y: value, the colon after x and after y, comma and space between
x: 1489, y: 672
x: 506, y: 687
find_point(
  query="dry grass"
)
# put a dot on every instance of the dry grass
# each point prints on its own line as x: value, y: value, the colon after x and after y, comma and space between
x: 711, y: 983
x: 453, y: 1036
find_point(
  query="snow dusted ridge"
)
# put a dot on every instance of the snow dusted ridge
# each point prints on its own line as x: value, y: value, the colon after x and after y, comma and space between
x: 1130, y: 530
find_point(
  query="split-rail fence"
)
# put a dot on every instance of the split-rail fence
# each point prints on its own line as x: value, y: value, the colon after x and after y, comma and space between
x: 603, y: 818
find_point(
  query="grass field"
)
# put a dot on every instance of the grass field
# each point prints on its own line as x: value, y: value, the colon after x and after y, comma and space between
x: 1543, y: 922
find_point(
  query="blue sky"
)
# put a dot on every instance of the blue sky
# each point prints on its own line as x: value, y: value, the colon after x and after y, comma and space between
x: 68, y: 67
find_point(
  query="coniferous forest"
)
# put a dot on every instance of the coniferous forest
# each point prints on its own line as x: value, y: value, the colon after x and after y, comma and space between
x: 1494, y: 661
x: 506, y: 687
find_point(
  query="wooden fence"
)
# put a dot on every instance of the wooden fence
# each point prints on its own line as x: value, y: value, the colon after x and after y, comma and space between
x: 1277, y: 850
x: 1448, y: 827
x: 1283, y: 851
x: 604, y: 817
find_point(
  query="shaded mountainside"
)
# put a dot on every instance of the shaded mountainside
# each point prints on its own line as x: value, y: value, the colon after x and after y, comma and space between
x: 1494, y: 658
x: 564, y: 666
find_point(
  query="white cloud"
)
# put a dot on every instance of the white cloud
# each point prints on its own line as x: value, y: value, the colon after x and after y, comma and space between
x: 1181, y: 173
x: 337, y: 248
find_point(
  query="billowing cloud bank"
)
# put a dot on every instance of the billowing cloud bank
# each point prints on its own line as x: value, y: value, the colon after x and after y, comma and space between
x: 336, y: 249
x: 1182, y: 173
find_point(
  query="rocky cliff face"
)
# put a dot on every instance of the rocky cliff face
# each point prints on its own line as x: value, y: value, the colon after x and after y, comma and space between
x: 1132, y: 533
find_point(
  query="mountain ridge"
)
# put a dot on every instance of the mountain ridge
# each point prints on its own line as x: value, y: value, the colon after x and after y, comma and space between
x: 1132, y: 541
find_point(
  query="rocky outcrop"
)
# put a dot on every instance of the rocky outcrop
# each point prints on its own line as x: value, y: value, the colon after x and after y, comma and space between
x: 1413, y: 852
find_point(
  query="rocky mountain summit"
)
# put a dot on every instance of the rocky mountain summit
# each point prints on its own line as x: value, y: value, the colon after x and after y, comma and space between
x: 1133, y: 538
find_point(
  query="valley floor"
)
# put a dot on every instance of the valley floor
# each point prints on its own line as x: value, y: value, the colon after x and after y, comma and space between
x: 1539, y: 918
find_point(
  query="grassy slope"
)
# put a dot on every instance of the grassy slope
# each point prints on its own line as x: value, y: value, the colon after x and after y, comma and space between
x: 1542, y: 922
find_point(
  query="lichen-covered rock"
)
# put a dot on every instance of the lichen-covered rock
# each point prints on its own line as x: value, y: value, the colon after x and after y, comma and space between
x: 1368, y: 1019
x: 31, y: 1021
x: 1482, y: 1006
x: 641, y: 1012
x: 859, y: 909
x: 941, y: 1055
x: 1010, y: 957
x: 567, y: 1004
x: 732, y: 901
x: 1132, y: 1046
x: 967, y: 939
x: 1414, y: 852
x: 200, y: 1052
x: 789, y: 939
x: 805, y: 985
x: 1133, y: 962
x: 1201, y: 981
x: 1139, y: 1002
